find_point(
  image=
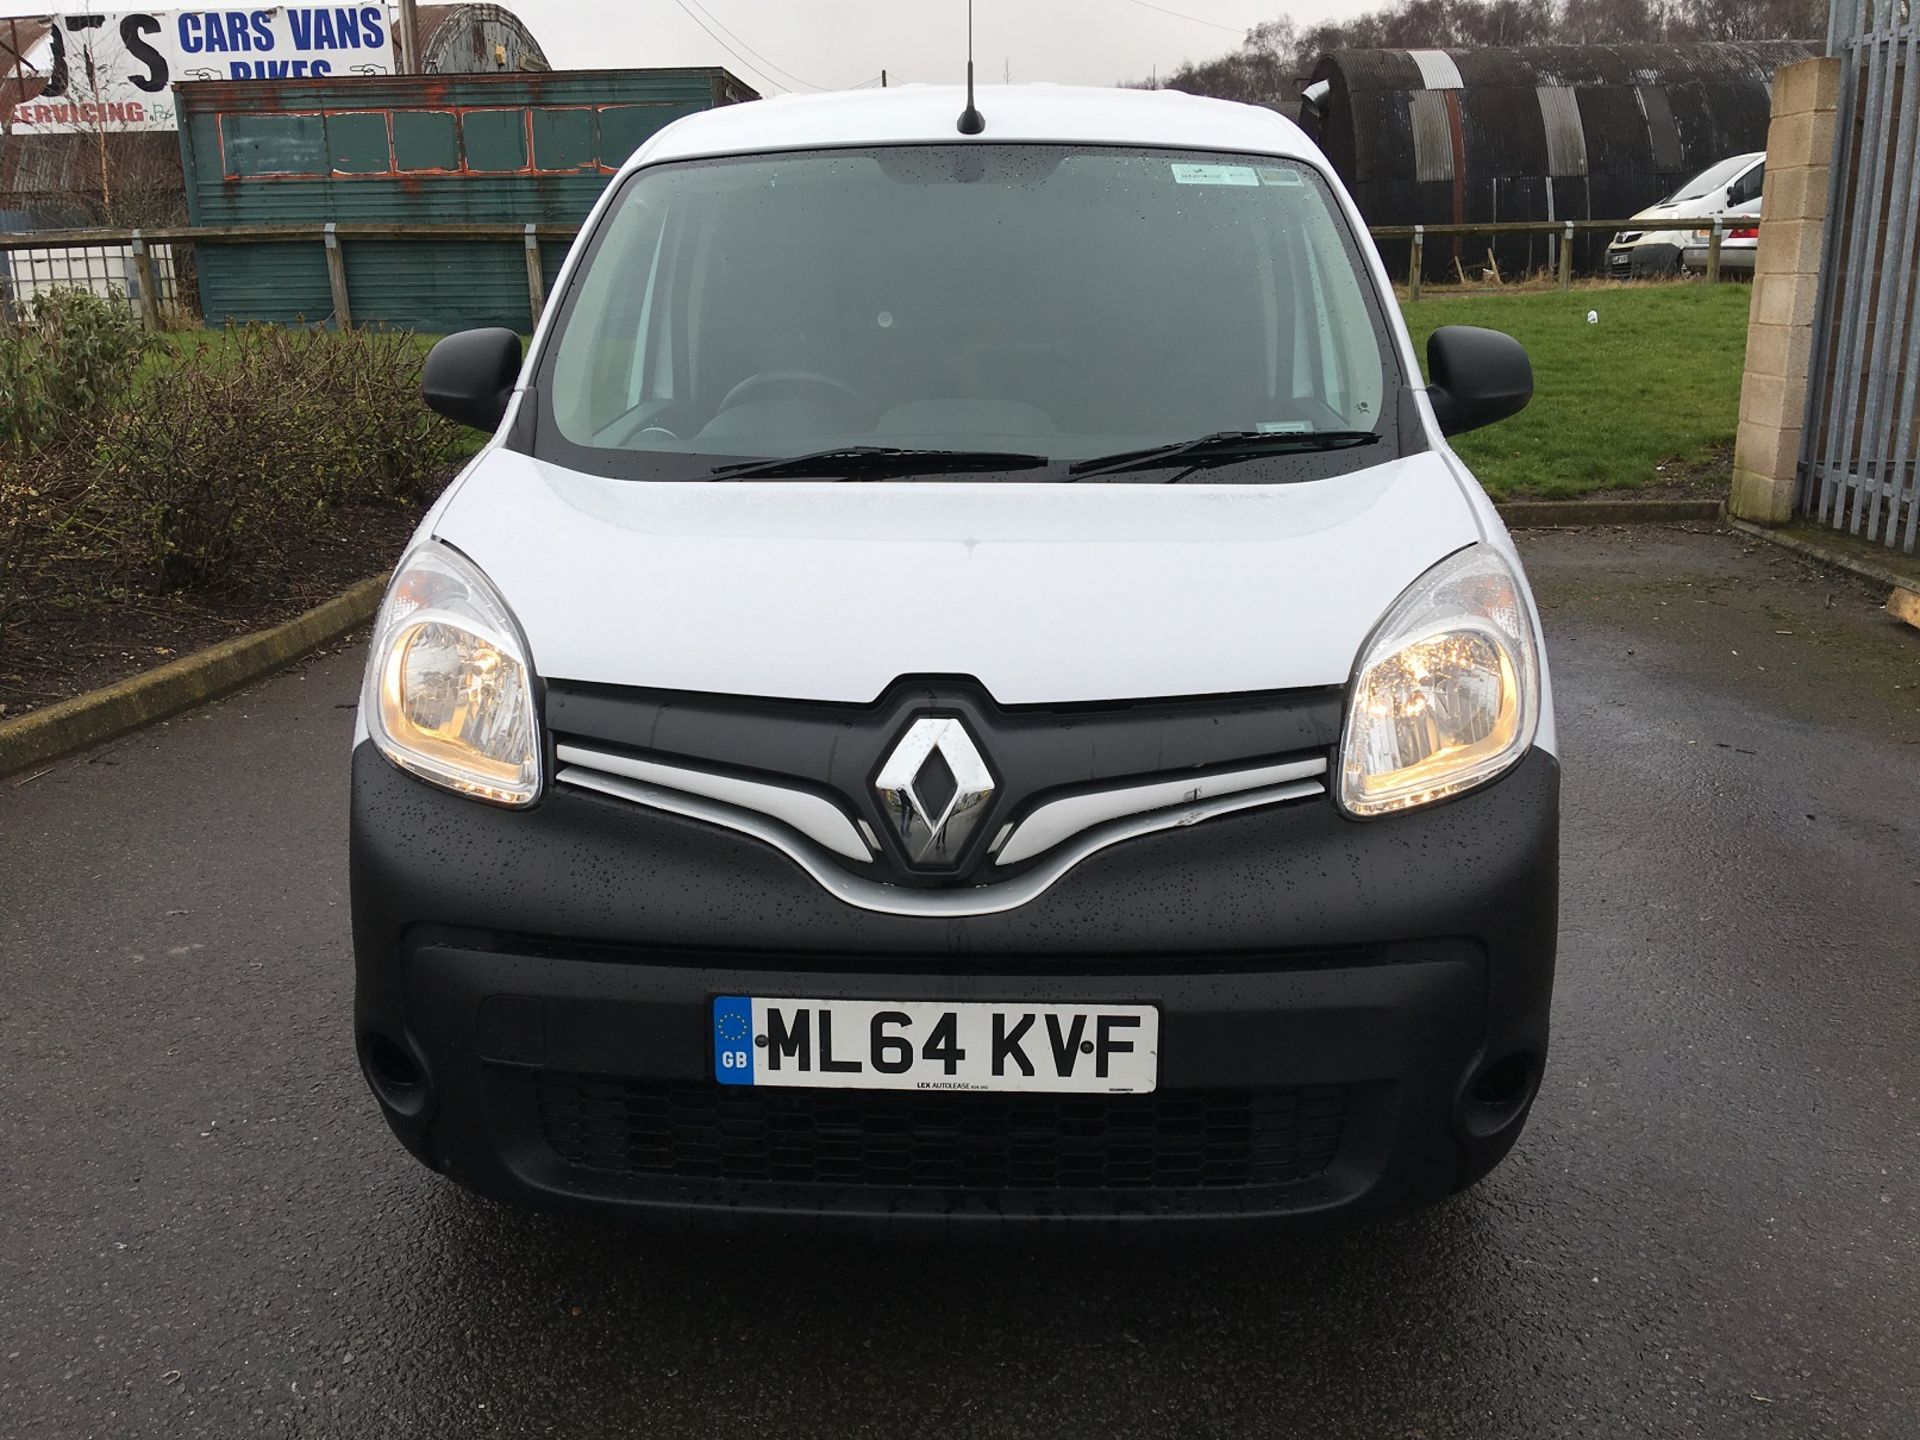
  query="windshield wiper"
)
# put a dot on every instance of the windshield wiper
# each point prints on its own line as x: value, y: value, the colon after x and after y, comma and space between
x: 876, y: 462
x: 1221, y: 448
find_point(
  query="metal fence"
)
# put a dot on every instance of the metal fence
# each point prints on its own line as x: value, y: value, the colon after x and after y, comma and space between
x: 153, y: 271
x: 1857, y: 469
x: 127, y: 270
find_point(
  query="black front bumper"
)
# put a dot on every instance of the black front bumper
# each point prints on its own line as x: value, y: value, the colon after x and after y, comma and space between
x: 1642, y: 261
x: 1353, y: 1015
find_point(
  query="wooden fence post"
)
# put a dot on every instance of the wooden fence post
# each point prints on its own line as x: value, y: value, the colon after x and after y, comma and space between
x: 143, y: 277
x: 1713, y: 251
x: 337, y: 279
x: 536, y: 277
x: 1419, y: 259
x: 1566, y: 257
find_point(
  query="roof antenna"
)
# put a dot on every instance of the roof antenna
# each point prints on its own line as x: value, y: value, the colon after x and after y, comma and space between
x: 972, y: 122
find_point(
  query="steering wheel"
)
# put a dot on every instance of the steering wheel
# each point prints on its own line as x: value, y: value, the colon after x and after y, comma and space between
x: 755, y: 387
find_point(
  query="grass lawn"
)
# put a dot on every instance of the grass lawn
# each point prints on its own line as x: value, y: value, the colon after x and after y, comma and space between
x: 1655, y: 381
x: 176, y: 345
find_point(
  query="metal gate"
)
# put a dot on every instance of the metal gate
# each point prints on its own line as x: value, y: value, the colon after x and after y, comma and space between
x: 1863, y: 401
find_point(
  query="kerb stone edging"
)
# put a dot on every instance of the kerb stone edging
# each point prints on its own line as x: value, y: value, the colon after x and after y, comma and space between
x: 108, y: 713
x: 1541, y: 514
x: 105, y: 714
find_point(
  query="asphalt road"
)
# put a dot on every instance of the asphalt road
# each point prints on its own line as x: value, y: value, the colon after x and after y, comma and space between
x: 1711, y: 1227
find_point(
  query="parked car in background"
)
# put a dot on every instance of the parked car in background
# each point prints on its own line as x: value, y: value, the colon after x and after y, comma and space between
x: 1654, y: 250
x: 1739, y: 242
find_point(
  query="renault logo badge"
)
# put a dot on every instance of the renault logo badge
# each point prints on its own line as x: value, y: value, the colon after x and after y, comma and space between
x: 934, y: 789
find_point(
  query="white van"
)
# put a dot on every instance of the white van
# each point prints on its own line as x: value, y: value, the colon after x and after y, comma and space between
x: 1649, y: 250
x: 967, y: 688
x: 1739, y: 243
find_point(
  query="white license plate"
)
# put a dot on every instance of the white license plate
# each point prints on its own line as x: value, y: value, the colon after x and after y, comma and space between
x: 930, y: 1045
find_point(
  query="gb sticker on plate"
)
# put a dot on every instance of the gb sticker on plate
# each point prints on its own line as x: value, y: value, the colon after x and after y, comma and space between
x: 733, y: 1040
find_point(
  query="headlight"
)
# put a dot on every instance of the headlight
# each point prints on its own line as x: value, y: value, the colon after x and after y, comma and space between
x: 1447, y: 692
x: 449, y: 688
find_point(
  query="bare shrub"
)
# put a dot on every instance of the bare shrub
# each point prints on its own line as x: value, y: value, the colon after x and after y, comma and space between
x: 68, y: 362
x: 241, y: 450
x: 14, y: 502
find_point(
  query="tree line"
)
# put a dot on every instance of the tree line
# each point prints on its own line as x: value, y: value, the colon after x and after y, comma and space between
x: 1276, y: 56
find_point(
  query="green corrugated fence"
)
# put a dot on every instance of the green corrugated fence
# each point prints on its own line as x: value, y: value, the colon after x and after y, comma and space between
x: 417, y: 150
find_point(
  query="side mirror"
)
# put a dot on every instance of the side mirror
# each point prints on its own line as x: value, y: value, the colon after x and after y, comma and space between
x: 469, y: 376
x: 1474, y: 377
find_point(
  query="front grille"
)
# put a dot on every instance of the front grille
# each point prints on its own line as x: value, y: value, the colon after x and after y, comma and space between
x: 833, y: 751
x: 901, y: 1140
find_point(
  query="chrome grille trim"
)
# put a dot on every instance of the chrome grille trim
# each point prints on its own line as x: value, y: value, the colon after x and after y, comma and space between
x: 813, y: 816
x: 1056, y: 820
x: 866, y: 894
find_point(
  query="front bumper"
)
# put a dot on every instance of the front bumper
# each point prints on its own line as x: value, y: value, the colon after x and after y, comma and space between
x: 532, y: 993
x: 1642, y: 259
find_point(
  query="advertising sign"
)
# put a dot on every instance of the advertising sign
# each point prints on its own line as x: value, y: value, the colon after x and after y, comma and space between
x: 113, y: 71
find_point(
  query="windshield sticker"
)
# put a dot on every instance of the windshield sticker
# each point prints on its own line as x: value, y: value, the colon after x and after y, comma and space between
x: 1282, y: 177
x: 1284, y: 427
x: 1215, y: 175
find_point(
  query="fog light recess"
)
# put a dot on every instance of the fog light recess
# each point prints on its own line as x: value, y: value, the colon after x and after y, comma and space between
x: 1499, y: 1094
x: 392, y: 1071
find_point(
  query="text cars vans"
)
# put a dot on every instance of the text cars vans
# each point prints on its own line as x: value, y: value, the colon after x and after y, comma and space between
x: 967, y: 687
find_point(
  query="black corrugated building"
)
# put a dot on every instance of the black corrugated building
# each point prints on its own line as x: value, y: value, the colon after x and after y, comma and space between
x: 1561, y: 132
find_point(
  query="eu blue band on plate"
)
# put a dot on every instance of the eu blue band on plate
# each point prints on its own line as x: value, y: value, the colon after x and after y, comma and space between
x: 733, y: 1040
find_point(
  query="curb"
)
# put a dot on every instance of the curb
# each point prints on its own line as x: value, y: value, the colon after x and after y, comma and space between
x: 191, y: 680
x: 221, y: 669
x: 1540, y: 514
x: 1859, y: 569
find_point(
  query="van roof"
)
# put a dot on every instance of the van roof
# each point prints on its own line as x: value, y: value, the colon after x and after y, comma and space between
x: 925, y: 114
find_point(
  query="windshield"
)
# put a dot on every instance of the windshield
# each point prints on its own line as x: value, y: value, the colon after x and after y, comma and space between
x: 1052, y: 303
x: 1714, y: 177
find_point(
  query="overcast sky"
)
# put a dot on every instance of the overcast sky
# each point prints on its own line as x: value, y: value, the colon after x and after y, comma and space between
x: 776, y: 45
x: 839, y: 43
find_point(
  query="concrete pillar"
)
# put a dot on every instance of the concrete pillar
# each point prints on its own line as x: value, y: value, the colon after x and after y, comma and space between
x: 1786, y: 288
